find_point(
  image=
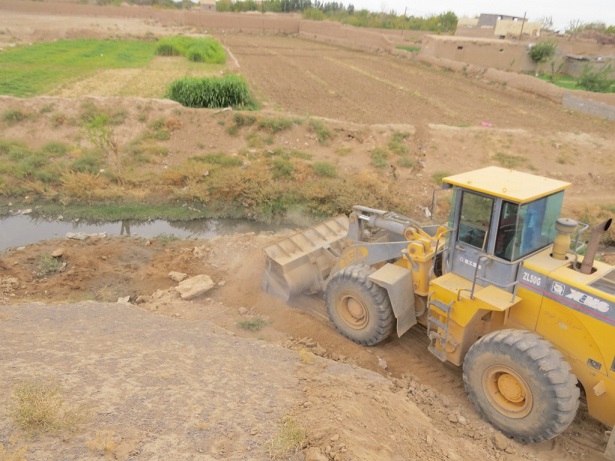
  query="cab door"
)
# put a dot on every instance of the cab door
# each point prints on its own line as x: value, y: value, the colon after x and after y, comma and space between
x: 472, y: 233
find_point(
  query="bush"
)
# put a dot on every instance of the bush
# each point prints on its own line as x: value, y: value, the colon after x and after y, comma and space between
x: 543, y: 51
x: 596, y: 80
x: 211, y: 92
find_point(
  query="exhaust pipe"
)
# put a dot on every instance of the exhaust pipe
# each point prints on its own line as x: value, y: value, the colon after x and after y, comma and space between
x: 592, y: 246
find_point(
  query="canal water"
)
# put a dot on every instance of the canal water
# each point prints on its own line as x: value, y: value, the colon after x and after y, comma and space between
x: 16, y: 231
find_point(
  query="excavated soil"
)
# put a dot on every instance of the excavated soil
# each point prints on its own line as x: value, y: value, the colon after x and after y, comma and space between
x: 162, y: 378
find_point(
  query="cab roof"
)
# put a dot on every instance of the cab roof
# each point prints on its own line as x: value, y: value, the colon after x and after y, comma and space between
x: 510, y: 185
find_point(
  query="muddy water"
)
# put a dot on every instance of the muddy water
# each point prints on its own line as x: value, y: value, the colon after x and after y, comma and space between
x: 16, y: 231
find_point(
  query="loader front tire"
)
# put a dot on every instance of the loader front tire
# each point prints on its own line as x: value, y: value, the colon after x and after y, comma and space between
x: 521, y: 384
x: 359, y: 308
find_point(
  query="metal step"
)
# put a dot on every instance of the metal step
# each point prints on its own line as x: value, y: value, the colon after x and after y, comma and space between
x: 439, y: 353
x: 445, y: 308
x: 442, y: 310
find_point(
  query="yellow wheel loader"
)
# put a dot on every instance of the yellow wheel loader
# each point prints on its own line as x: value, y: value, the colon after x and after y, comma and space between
x: 502, y: 290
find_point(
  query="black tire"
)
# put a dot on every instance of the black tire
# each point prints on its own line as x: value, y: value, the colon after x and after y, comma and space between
x: 359, y: 308
x: 521, y: 385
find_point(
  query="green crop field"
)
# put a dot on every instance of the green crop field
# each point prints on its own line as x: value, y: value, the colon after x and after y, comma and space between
x: 40, y: 68
x: 36, y: 69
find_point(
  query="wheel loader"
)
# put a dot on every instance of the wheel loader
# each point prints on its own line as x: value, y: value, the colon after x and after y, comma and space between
x: 507, y: 289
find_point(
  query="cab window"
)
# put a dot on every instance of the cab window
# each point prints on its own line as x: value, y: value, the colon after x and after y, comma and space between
x: 475, y: 219
x: 524, y: 229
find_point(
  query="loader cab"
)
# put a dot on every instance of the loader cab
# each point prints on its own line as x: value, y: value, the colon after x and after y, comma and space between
x: 499, y: 217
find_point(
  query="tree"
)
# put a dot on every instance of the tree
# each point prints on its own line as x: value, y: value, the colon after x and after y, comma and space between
x: 543, y: 51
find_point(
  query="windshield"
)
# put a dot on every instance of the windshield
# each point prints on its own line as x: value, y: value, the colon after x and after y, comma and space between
x: 524, y: 229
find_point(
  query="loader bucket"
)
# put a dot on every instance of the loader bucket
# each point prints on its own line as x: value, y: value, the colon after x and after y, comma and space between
x: 302, y: 262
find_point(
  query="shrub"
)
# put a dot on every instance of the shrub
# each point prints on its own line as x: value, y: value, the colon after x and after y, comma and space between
x: 220, y: 159
x: 89, y: 162
x: 543, y: 51
x: 438, y: 176
x: 596, y: 80
x: 211, y: 92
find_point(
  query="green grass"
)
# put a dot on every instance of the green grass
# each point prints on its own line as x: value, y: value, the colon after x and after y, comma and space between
x: 410, y: 49
x: 36, y: 69
x: 438, y: 176
x: 195, y: 49
x: 212, y: 92
x: 562, y: 81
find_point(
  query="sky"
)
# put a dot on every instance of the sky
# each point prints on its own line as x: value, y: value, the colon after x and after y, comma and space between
x: 561, y: 11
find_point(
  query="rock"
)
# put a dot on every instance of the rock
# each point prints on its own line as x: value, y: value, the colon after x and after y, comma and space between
x: 335, y: 438
x: 243, y: 311
x: 58, y: 253
x: 222, y: 283
x: 319, y: 350
x: 177, y: 276
x: 500, y: 441
x: 429, y: 440
x: 194, y: 286
x: 314, y: 454
x: 124, y: 300
x: 77, y: 236
x: 382, y: 363
x: 462, y: 420
x: 26, y: 211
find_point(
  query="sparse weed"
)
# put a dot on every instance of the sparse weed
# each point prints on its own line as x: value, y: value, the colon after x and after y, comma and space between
x: 406, y: 162
x: 55, y: 149
x: 325, y: 169
x: 13, y: 452
x: 397, y: 144
x: 103, y: 443
x: 242, y: 120
x: 323, y: 134
x: 379, y: 157
x: 165, y: 238
x: 509, y: 160
x: 288, y: 439
x: 38, y: 406
x: 48, y: 265
x: 275, y: 125
x: 14, y: 116
x: 300, y: 154
x: 59, y: 119
x: 438, y: 176
x: 282, y: 169
x: 343, y: 151
x: 255, y: 323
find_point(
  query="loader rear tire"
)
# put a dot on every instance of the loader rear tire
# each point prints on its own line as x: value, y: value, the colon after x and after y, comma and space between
x: 521, y: 384
x: 359, y: 308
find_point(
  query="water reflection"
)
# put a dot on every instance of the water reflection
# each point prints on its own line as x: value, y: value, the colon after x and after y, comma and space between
x: 18, y: 231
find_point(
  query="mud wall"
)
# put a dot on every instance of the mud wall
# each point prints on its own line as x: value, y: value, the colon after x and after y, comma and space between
x: 499, y: 54
x: 340, y: 34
